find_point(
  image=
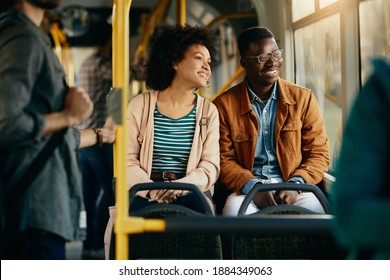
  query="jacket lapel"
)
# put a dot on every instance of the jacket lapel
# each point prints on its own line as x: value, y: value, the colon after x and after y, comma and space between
x: 285, y: 100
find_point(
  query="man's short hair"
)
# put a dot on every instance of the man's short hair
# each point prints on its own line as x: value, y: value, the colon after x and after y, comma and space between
x: 252, y: 34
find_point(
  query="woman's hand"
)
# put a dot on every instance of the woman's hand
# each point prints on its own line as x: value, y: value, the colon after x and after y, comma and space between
x: 165, y: 196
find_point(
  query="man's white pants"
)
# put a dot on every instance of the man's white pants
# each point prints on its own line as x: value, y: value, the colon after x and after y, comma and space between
x: 306, y: 200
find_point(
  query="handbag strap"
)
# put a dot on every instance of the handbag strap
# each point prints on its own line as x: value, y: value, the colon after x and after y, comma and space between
x: 34, y: 168
x: 204, y: 122
x: 145, y: 117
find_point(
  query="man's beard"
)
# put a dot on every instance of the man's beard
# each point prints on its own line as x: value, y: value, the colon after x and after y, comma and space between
x: 45, y: 4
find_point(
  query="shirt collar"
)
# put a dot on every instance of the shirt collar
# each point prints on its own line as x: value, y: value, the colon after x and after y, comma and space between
x: 253, y: 96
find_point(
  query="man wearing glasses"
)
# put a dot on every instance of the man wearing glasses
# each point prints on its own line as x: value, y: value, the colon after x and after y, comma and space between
x: 271, y: 131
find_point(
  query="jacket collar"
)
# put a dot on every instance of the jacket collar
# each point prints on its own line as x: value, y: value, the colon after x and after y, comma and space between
x: 284, y: 96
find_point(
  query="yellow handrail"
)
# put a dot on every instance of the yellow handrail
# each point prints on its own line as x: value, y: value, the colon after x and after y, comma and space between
x: 240, y: 70
x: 181, y: 11
x: 155, y: 18
x: 120, y: 23
x: 148, y: 23
x: 124, y: 224
x: 228, y: 83
x: 63, y: 52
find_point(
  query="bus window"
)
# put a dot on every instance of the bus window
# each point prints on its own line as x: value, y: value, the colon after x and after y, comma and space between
x: 374, y: 19
x: 318, y: 67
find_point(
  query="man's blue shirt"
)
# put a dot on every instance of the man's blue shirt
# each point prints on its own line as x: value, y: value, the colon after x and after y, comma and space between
x: 266, y: 166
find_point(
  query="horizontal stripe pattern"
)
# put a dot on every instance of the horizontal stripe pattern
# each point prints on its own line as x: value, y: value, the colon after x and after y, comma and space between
x: 172, y: 142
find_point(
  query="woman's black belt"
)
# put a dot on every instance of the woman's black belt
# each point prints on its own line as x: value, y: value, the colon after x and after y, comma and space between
x: 166, y: 176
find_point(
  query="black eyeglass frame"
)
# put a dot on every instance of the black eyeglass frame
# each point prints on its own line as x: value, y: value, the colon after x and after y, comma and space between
x: 269, y: 55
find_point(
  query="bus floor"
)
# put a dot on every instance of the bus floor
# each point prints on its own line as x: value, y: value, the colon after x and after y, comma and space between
x: 74, y: 251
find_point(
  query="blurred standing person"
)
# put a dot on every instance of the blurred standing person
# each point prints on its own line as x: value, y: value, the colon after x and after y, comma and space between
x: 96, y: 162
x: 361, y: 193
x: 36, y: 103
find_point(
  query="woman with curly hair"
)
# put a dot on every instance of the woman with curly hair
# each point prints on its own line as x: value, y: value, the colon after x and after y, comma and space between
x: 173, y: 147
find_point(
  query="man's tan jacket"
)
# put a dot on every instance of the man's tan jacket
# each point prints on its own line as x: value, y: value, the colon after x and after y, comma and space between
x: 302, y: 145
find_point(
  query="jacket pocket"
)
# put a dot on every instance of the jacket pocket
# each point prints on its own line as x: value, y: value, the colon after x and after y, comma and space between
x: 241, y: 136
x: 293, y: 125
x: 243, y: 145
x: 290, y: 137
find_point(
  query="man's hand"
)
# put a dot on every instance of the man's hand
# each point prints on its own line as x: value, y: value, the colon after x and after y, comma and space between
x: 264, y: 199
x: 286, y: 197
x: 109, y: 130
x: 78, y: 106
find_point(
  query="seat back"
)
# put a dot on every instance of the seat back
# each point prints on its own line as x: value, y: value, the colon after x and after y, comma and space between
x: 283, y: 208
x: 265, y: 246
x: 220, y: 195
x: 221, y: 192
x: 160, y: 245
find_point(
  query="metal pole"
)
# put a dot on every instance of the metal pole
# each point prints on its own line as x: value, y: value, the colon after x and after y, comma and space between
x: 121, y: 81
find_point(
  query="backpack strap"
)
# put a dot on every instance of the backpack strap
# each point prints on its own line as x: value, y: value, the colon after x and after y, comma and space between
x: 145, y: 116
x: 204, y: 121
x: 34, y: 169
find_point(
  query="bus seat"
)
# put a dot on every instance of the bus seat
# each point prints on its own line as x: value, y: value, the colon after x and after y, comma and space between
x: 220, y: 195
x: 283, y: 208
x: 157, y: 245
x: 263, y: 246
x: 221, y: 192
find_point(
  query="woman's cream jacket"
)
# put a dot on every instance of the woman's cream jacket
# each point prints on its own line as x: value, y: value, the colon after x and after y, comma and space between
x: 203, y: 164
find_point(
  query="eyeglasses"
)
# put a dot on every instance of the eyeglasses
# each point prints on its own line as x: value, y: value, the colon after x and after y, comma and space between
x: 264, y: 57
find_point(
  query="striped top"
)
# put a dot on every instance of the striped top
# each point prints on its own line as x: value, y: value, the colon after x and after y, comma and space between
x: 172, y: 142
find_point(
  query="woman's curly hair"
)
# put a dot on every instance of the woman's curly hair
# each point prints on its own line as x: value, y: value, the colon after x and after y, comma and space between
x: 168, y: 45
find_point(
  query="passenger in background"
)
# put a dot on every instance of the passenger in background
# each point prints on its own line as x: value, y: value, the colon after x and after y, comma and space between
x: 96, y: 162
x: 173, y: 148
x: 35, y: 104
x: 271, y: 130
x: 361, y: 193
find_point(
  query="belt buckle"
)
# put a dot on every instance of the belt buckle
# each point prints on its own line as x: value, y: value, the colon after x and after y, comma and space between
x: 164, y: 176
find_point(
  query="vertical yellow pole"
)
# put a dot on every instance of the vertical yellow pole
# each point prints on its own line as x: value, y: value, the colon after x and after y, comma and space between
x: 181, y: 12
x: 120, y: 63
